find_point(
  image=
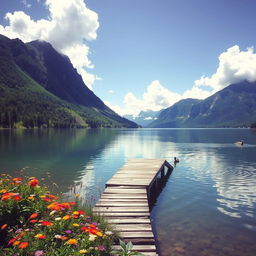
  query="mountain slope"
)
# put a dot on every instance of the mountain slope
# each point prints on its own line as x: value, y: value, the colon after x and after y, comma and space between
x: 176, y: 115
x: 40, y: 87
x: 234, y: 106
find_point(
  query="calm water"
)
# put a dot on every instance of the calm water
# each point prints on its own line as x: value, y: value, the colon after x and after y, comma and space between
x: 208, y: 206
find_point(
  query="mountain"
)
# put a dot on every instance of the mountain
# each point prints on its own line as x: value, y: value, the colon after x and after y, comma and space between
x: 176, y: 115
x: 39, y: 87
x: 144, y: 118
x: 234, y: 106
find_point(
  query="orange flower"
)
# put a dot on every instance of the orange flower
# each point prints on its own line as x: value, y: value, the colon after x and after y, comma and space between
x: 71, y: 241
x: 16, y: 243
x: 3, y: 191
x: 3, y: 226
x: 40, y: 236
x: 46, y: 223
x: 33, y: 216
x: 7, y: 196
x: 33, y: 182
x: 66, y: 217
x: 23, y: 245
x: 17, y: 180
x: 33, y: 221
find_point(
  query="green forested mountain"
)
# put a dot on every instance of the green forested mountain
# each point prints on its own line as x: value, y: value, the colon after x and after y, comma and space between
x: 40, y: 88
x: 234, y: 106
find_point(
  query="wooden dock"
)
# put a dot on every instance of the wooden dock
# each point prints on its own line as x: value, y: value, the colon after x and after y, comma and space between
x: 125, y: 201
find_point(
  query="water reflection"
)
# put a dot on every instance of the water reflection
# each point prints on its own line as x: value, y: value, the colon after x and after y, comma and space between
x: 208, y: 206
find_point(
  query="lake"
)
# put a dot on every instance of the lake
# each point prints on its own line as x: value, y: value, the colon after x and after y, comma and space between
x: 208, y: 206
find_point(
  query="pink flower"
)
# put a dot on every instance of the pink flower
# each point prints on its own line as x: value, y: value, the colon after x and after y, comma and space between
x: 101, y: 248
x: 39, y: 253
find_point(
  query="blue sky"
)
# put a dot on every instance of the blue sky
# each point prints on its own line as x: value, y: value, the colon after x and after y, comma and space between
x: 147, y: 54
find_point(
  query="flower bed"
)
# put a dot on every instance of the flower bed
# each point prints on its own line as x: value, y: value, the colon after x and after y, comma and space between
x: 35, y: 222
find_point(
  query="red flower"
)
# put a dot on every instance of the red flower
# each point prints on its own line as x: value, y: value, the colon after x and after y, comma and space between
x: 33, y: 221
x: 40, y: 236
x: 33, y: 216
x: 17, y: 197
x: 46, y: 223
x: 33, y: 182
x: 23, y: 245
x: 7, y: 196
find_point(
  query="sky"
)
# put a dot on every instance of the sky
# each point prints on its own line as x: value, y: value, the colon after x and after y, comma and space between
x: 139, y: 55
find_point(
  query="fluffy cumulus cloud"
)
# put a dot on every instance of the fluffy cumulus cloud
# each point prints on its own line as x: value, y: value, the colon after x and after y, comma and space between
x: 234, y: 66
x: 155, y: 98
x: 70, y: 23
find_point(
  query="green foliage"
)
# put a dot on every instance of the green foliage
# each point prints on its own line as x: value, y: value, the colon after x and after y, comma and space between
x: 40, y: 93
x: 33, y: 221
x: 126, y: 250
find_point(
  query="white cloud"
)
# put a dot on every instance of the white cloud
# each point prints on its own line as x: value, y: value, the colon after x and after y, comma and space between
x: 116, y: 108
x: 155, y: 98
x: 68, y: 25
x: 234, y: 66
x: 111, y: 91
x: 26, y: 4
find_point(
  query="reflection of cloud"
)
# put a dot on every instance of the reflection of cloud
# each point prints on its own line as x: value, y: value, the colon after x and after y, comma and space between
x: 235, y: 186
x: 84, y: 184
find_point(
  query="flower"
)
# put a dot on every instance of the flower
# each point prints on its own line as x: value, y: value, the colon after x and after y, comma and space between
x: 16, y: 243
x: 101, y: 248
x: 68, y: 231
x: 33, y: 216
x: 71, y: 241
x: 66, y: 217
x: 61, y: 237
x: 75, y: 224
x: 33, y: 182
x: 33, y: 221
x: 92, y: 237
x: 99, y: 233
x: 23, y: 245
x: 3, y: 226
x: 46, y: 223
x: 39, y: 253
x: 17, y: 197
x: 7, y: 196
x: 3, y: 191
x: 58, y: 218
x: 83, y: 251
x: 40, y: 236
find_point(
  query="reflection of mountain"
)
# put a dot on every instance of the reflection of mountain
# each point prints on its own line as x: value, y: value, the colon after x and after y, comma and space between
x: 64, y: 153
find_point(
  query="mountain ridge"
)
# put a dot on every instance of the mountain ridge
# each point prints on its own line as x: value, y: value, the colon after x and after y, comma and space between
x: 40, y: 88
x: 233, y: 106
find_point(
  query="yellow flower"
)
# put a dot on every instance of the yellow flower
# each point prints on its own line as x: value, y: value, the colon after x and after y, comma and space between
x: 83, y: 251
x: 66, y: 217
x: 76, y: 225
x: 99, y: 233
x: 3, y: 191
x: 71, y: 241
x: 76, y: 213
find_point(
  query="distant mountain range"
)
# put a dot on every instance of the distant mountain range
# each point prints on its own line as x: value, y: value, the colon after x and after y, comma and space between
x: 39, y: 87
x: 234, y: 106
x: 144, y: 118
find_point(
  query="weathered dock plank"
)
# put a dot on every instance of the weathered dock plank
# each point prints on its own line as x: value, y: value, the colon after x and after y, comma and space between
x: 125, y: 202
